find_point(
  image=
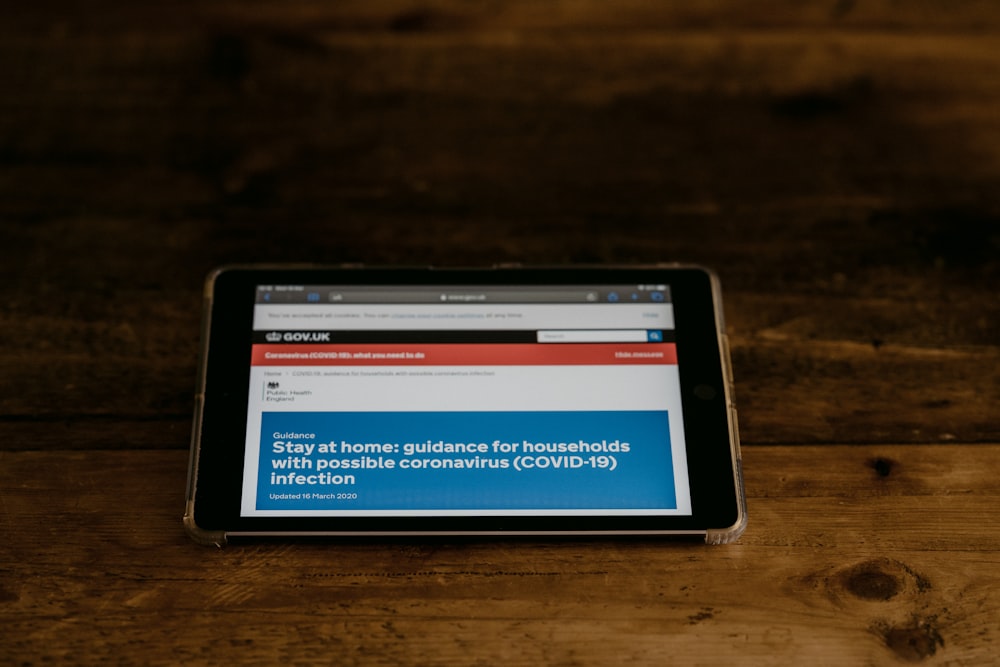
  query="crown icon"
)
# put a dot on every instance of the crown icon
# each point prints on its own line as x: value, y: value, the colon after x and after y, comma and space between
x: 273, y: 337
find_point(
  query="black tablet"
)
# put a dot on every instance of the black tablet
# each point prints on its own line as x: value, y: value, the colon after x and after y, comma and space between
x: 509, y: 401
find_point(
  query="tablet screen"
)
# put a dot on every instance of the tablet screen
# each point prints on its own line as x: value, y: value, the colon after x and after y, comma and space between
x: 464, y: 401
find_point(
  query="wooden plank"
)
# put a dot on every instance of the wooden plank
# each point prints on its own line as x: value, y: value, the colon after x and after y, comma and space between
x: 166, y: 125
x: 829, y: 390
x: 849, y: 369
x: 842, y: 368
x: 57, y: 430
x: 405, y: 16
x: 854, y: 553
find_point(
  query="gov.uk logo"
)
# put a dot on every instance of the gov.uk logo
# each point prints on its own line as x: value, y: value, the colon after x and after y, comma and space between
x: 273, y: 337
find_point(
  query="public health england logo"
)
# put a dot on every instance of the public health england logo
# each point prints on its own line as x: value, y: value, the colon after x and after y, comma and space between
x: 273, y: 337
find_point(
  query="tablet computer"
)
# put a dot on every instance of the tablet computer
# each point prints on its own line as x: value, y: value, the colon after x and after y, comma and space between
x: 507, y: 401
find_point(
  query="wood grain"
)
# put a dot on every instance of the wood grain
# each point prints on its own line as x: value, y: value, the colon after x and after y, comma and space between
x: 890, y: 552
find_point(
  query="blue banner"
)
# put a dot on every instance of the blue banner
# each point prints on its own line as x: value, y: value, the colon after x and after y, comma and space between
x: 465, y: 461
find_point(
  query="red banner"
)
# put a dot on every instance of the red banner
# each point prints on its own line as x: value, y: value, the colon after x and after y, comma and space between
x: 446, y: 354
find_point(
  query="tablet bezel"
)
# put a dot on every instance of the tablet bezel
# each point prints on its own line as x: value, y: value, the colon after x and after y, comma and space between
x: 219, y: 433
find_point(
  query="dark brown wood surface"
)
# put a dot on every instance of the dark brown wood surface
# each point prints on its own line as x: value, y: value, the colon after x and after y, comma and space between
x: 837, y: 163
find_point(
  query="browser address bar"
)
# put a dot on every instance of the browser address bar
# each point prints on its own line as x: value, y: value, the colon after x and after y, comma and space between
x: 593, y: 336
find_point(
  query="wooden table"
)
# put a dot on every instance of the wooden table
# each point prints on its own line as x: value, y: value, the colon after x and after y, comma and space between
x: 838, y: 164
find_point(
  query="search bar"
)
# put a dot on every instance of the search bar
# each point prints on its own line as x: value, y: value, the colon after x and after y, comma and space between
x: 593, y: 336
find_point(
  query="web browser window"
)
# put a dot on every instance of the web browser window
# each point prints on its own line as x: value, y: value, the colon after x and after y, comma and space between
x: 444, y: 401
